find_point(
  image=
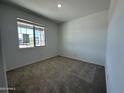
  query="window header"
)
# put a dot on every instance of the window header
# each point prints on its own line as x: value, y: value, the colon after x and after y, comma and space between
x: 29, y: 22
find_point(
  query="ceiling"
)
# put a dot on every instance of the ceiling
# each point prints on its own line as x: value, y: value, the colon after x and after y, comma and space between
x: 70, y: 9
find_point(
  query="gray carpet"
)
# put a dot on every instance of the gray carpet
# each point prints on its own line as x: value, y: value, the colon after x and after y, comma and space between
x: 58, y: 75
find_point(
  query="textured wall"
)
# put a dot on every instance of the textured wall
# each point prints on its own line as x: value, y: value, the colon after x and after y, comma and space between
x: 85, y: 38
x: 115, y: 48
x: 58, y: 75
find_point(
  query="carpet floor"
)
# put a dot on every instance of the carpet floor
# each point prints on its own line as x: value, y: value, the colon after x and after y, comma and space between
x: 58, y: 75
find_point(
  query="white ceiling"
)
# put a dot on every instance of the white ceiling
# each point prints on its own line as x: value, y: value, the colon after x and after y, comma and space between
x: 70, y: 8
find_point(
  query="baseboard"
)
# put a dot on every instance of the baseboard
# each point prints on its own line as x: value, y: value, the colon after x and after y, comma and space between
x: 88, y: 62
x: 28, y: 64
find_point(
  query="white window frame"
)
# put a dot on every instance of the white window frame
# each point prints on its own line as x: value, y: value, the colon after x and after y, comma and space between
x: 35, y: 26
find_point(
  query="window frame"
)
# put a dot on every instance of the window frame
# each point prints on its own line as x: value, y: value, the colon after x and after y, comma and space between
x: 34, y: 27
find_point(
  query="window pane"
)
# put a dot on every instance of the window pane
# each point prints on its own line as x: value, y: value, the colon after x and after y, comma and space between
x: 25, y: 35
x: 39, y: 36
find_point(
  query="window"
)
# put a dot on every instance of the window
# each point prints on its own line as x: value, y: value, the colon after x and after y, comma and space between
x: 39, y: 36
x: 25, y: 35
x: 30, y: 35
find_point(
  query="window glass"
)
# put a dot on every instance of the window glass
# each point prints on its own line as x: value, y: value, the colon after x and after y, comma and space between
x: 25, y: 35
x: 39, y: 36
x: 30, y: 35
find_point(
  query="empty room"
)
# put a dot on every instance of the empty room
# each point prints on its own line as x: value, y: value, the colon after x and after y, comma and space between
x: 61, y: 46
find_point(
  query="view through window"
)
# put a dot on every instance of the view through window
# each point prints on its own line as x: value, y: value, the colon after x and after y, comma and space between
x: 39, y: 36
x: 30, y: 35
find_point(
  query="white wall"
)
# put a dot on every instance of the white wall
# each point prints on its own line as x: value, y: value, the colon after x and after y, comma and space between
x: 115, y: 48
x: 3, y: 80
x: 2, y: 73
x: 15, y: 57
x: 112, y: 8
x: 85, y: 38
